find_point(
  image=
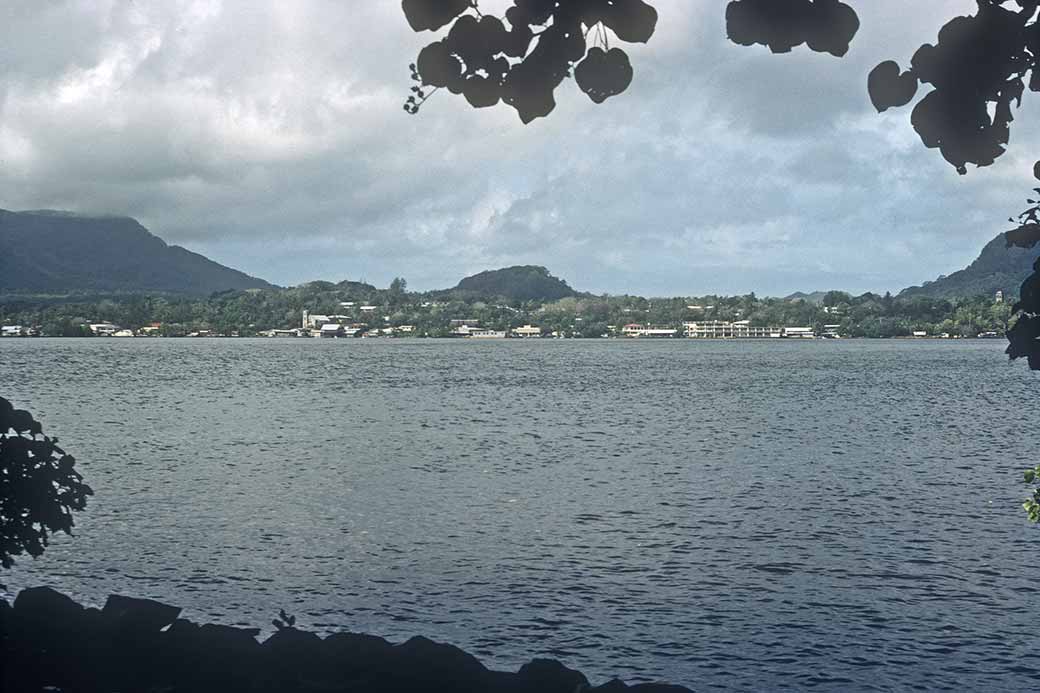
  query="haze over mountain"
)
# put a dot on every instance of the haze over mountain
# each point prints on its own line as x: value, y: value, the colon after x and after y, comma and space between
x: 996, y: 268
x: 54, y: 252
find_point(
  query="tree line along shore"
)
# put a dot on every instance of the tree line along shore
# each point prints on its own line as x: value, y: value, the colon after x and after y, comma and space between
x: 396, y: 312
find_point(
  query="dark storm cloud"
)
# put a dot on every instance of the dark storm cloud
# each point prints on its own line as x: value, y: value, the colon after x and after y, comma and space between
x: 270, y: 135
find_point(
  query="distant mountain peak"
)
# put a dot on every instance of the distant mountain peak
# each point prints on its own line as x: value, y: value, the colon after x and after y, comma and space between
x: 58, y: 251
x: 814, y: 297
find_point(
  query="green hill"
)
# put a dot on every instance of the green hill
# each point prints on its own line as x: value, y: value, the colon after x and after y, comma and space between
x: 996, y: 268
x: 519, y: 283
x: 59, y: 252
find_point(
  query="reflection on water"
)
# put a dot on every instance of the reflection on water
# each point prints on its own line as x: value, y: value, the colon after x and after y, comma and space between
x: 723, y: 515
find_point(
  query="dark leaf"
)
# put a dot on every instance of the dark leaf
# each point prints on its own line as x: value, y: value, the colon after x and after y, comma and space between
x: 603, y: 74
x: 438, y: 67
x: 431, y: 15
x: 888, y: 88
x: 631, y: 20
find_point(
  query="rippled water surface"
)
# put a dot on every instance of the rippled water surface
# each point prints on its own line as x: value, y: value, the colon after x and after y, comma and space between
x: 732, y: 516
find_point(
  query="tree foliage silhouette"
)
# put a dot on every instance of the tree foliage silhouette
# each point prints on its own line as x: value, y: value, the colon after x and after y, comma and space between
x: 978, y: 65
x: 825, y: 26
x: 546, y: 42
x: 1024, y: 336
x: 977, y: 69
x: 39, y: 487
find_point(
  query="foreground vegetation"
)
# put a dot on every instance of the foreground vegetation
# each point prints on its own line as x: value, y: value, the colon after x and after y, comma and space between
x: 253, y: 311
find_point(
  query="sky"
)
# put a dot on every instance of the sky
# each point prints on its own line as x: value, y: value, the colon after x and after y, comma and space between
x: 269, y: 136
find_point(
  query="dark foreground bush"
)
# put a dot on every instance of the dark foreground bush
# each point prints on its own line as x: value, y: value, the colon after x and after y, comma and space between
x: 39, y: 488
x: 49, y: 642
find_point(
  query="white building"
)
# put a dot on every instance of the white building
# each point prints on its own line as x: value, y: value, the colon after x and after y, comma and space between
x: 315, y: 321
x: 527, y: 331
x: 720, y: 329
x: 104, y: 329
x: 636, y: 330
x: 799, y: 333
x: 13, y: 331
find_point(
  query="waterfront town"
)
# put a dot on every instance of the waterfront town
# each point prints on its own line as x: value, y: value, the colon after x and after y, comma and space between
x: 369, y: 321
x: 520, y: 302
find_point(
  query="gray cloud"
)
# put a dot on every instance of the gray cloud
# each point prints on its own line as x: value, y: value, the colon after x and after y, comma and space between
x: 270, y: 136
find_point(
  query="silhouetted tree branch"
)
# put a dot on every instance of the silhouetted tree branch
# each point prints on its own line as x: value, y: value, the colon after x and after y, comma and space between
x: 545, y: 43
x: 523, y: 57
x: 39, y: 488
x: 979, y: 64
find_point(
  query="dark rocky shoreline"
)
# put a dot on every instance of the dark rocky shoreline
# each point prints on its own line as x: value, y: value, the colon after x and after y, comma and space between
x: 51, y: 643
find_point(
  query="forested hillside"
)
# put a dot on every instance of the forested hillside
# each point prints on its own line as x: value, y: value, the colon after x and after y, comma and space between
x: 58, y: 252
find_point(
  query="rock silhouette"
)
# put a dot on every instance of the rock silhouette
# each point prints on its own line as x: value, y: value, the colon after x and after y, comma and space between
x: 52, y: 643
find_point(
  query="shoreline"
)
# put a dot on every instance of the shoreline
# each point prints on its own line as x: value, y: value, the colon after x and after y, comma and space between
x: 906, y: 338
x: 50, y: 640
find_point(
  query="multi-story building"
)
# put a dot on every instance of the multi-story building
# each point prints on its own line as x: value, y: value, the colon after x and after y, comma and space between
x: 720, y: 329
x: 743, y: 329
x: 637, y: 330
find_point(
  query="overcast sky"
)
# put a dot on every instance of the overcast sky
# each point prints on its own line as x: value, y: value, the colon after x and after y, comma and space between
x: 269, y: 135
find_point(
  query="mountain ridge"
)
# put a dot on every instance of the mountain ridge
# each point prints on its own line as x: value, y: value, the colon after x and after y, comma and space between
x: 997, y: 268
x: 55, y: 251
x: 48, y: 251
